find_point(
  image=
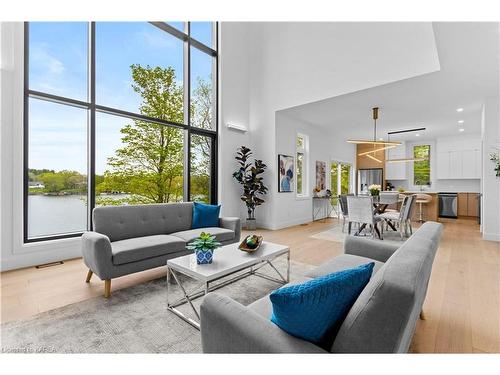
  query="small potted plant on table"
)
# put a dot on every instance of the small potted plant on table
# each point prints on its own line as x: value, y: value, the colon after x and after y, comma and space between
x: 374, y: 190
x: 204, y: 247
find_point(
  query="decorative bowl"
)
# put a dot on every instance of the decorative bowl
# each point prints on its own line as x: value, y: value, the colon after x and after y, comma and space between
x: 244, y: 246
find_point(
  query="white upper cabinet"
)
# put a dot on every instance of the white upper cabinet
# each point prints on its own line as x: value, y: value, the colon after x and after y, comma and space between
x: 396, y: 171
x: 458, y: 158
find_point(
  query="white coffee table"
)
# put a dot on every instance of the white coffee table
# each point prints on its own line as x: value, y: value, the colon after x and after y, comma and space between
x: 228, y: 260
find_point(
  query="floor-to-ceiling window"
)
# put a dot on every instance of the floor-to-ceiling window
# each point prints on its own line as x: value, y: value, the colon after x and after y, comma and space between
x: 340, y: 181
x: 116, y: 113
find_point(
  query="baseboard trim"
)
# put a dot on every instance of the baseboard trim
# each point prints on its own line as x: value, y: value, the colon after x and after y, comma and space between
x: 491, y: 237
x: 34, y: 259
x: 284, y: 224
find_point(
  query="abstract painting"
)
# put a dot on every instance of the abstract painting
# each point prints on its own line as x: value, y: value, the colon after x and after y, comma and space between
x: 286, y: 176
x: 320, y: 175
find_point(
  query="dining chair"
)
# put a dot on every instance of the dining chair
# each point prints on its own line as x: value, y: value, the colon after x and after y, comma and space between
x: 361, y: 211
x: 388, y: 197
x: 409, y: 212
x: 403, y: 217
x: 343, y: 209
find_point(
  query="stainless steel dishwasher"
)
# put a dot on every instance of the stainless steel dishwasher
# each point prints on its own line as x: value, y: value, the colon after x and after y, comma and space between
x: 448, y: 205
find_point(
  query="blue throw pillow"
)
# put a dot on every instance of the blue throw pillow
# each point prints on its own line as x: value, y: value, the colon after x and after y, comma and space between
x: 316, y: 308
x: 205, y: 215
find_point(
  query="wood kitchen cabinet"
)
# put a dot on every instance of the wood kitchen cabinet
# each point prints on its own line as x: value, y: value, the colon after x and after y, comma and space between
x: 463, y: 204
x: 467, y: 204
x: 472, y: 204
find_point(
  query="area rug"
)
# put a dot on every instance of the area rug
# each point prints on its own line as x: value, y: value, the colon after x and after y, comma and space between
x: 133, y: 320
x: 335, y: 234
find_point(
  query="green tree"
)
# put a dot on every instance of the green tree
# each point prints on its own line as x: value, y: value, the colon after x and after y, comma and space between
x: 149, y: 167
x: 150, y: 164
x: 201, y: 116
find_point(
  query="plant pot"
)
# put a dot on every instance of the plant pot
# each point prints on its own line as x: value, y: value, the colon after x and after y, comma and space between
x: 251, y: 224
x: 204, y: 256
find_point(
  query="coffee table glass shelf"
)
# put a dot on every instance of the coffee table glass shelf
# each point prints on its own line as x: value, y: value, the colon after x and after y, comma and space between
x: 228, y: 261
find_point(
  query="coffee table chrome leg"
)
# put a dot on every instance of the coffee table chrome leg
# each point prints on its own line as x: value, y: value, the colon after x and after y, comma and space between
x: 278, y: 272
x: 185, y: 296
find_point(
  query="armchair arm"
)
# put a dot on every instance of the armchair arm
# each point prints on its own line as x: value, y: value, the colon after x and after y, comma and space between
x: 97, y: 255
x: 232, y: 223
x: 374, y: 249
x: 229, y: 327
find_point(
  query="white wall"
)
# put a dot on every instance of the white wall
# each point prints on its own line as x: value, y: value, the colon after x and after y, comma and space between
x: 291, y: 209
x: 490, y: 204
x: 233, y: 109
x: 297, y: 63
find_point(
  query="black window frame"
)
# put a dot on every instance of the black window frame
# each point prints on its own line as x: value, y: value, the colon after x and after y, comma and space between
x: 92, y: 107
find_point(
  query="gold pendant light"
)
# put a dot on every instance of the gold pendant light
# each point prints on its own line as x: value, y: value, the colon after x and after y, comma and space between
x: 378, y: 145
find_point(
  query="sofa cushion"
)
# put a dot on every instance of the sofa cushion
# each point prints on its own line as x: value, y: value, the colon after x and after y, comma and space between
x: 139, y: 248
x: 221, y: 234
x: 317, y: 307
x: 205, y: 215
x: 343, y: 262
x: 122, y: 222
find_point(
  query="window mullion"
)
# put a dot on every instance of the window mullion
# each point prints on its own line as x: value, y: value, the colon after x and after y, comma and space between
x: 187, y: 116
x: 91, y: 127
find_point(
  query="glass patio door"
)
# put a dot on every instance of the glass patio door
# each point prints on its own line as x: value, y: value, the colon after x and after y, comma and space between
x: 340, y: 182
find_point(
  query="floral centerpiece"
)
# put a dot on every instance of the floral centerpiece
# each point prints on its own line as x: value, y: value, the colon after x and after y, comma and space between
x: 374, y: 189
x: 495, y: 157
x: 204, y: 247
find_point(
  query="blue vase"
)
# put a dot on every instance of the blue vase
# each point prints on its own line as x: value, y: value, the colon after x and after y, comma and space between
x: 204, y: 256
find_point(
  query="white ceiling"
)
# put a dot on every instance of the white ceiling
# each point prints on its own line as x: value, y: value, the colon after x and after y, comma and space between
x: 469, y: 60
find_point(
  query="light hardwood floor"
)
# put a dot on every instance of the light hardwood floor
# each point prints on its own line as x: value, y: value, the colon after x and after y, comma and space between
x: 462, y: 306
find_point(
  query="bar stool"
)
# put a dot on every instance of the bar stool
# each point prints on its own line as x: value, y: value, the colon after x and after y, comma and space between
x: 422, y: 199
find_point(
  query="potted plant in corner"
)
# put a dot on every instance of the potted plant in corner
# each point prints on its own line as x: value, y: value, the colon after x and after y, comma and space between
x: 204, y: 247
x: 249, y: 176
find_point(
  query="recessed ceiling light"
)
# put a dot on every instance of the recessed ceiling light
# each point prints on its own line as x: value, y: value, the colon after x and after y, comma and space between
x: 460, y: 109
x: 417, y: 135
x: 461, y: 129
x: 460, y: 121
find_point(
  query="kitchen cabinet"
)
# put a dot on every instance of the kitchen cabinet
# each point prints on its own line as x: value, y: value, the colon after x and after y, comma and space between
x: 467, y: 204
x: 396, y: 171
x: 472, y: 204
x: 458, y: 158
x: 462, y: 204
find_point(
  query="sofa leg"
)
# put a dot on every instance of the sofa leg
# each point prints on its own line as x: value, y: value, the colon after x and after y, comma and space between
x: 422, y: 315
x: 89, y: 276
x: 107, y: 288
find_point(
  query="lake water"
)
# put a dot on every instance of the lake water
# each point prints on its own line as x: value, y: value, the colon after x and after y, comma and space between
x: 56, y: 215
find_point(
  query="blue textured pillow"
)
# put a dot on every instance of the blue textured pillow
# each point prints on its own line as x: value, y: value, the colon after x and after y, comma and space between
x: 315, y: 308
x: 205, y: 215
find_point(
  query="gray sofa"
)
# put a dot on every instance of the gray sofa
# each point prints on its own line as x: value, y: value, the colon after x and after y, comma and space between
x: 382, y: 320
x: 128, y: 239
